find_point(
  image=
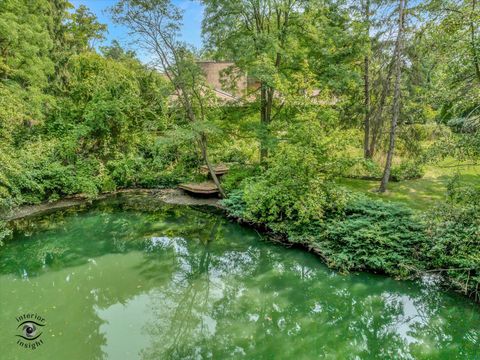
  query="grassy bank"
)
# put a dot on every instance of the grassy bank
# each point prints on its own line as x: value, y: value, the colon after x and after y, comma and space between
x: 424, y: 193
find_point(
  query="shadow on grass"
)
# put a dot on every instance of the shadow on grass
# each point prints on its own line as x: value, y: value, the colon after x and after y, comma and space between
x: 419, y: 194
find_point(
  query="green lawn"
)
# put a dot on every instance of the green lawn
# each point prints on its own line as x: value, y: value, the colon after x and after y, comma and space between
x: 422, y: 193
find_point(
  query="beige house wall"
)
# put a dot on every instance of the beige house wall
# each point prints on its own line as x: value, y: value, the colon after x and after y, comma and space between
x: 215, y: 73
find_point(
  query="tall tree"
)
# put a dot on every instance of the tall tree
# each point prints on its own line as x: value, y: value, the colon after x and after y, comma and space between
x: 376, y: 69
x: 72, y: 32
x: 85, y: 28
x: 157, y: 23
x: 366, y: 77
x: 397, y: 55
x: 25, y: 42
x: 453, y: 33
x: 256, y: 35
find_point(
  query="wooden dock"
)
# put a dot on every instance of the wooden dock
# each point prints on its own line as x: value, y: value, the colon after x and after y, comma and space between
x: 219, y: 169
x: 204, y: 188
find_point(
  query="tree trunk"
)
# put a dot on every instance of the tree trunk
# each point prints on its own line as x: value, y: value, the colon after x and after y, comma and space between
x: 396, y: 95
x: 263, y: 130
x: 366, y: 141
x: 266, y: 103
x: 377, y: 127
x: 366, y: 76
x: 211, y: 170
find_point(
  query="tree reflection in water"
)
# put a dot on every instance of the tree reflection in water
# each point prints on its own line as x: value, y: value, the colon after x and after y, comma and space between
x: 189, y: 284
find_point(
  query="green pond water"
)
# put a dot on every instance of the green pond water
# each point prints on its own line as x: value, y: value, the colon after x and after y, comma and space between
x: 132, y: 278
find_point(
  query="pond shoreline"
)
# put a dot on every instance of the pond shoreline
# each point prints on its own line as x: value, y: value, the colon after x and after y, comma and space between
x: 169, y: 196
x: 174, y: 196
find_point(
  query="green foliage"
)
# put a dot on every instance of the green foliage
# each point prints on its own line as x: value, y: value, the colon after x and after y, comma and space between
x: 116, y: 52
x: 90, y: 124
x: 368, y: 169
x: 465, y: 142
x: 85, y: 28
x: 356, y: 233
x: 235, y: 204
x: 465, y: 125
x: 364, y: 169
x: 370, y: 235
x: 25, y: 42
x: 104, y: 104
x: 455, y: 226
x: 77, y: 121
x: 282, y: 197
x: 296, y: 186
x: 237, y: 174
x: 455, y: 90
x: 407, y: 170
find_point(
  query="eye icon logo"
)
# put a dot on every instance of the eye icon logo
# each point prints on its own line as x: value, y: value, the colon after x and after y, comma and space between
x: 29, y: 330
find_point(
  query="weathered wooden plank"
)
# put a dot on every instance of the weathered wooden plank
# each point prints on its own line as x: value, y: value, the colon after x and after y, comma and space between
x: 220, y: 169
x: 207, y: 187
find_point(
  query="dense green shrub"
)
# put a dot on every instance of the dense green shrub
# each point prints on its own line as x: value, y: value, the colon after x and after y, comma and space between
x: 368, y: 235
x: 365, y: 169
x: 296, y: 186
x: 290, y: 191
x: 407, y: 170
x: 455, y: 228
x: 100, y: 133
x: 235, y: 204
x: 363, y: 234
x: 237, y: 174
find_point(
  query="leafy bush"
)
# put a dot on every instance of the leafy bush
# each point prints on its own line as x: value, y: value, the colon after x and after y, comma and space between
x: 279, y: 204
x: 232, y: 154
x: 407, y: 170
x: 237, y: 174
x: 360, y: 233
x: 368, y: 235
x: 363, y: 234
x: 455, y: 227
x: 290, y: 191
x: 98, y: 134
x: 366, y: 169
x: 235, y: 205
